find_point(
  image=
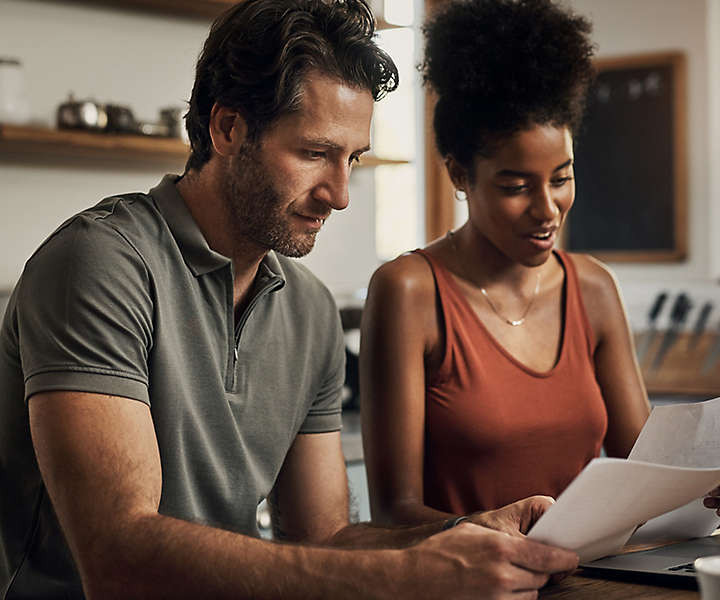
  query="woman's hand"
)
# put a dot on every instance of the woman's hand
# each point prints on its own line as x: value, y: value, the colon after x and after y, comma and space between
x: 713, y: 499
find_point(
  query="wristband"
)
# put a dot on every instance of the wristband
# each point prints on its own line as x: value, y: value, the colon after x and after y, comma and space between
x: 450, y: 523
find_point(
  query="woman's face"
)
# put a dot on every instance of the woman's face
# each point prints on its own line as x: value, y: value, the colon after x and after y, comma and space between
x: 519, y: 197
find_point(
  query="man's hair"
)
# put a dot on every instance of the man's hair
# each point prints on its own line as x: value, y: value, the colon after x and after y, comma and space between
x: 259, y: 52
x: 501, y: 66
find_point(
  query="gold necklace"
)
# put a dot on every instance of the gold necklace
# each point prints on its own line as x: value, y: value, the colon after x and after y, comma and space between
x: 511, y: 322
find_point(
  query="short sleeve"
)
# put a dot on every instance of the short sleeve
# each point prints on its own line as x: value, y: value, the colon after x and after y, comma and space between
x: 325, y: 413
x: 85, y: 313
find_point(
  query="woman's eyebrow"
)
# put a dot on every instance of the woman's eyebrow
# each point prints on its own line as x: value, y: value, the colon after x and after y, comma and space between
x: 513, y: 173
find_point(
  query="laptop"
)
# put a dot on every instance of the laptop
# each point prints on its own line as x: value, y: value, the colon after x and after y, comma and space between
x: 670, y: 564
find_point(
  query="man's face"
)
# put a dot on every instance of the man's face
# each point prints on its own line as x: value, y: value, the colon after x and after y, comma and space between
x: 280, y: 191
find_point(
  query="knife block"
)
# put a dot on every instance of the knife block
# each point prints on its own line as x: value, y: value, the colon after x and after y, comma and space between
x: 681, y: 370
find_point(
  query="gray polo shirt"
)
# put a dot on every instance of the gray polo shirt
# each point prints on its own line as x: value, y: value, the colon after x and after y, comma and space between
x: 126, y: 298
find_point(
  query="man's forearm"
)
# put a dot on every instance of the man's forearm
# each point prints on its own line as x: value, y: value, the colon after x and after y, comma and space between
x: 408, y: 514
x: 158, y: 556
x: 367, y: 535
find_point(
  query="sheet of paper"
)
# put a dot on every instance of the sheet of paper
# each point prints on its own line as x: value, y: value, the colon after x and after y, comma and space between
x: 600, y: 509
x: 689, y: 521
x: 682, y: 435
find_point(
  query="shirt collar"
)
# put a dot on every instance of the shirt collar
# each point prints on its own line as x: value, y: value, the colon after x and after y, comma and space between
x: 198, y: 255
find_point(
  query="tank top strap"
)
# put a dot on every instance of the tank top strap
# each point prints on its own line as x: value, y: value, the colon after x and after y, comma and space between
x: 460, y: 321
x: 457, y: 315
x: 577, y: 323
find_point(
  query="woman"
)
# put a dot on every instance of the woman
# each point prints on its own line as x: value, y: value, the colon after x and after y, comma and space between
x: 494, y: 367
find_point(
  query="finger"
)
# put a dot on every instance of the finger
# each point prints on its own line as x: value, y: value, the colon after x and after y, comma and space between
x: 506, y: 578
x: 503, y: 519
x: 558, y: 577
x: 505, y: 523
x: 524, y: 580
x: 538, y: 506
x: 543, y: 501
x: 532, y: 555
x: 509, y: 528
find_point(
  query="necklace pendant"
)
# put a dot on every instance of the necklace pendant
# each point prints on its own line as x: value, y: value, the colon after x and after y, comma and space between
x: 511, y: 322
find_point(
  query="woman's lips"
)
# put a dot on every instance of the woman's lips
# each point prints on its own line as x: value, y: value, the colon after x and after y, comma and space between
x: 542, y: 240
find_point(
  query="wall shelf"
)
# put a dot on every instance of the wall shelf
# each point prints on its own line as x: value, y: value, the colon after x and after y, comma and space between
x: 18, y: 142
x: 48, y: 145
x: 38, y: 143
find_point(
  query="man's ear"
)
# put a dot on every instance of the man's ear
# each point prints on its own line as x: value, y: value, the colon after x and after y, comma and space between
x: 457, y: 173
x: 228, y: 130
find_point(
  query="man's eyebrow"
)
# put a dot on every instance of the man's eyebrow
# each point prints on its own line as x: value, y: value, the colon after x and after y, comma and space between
x: 331, y: 145
x: 511, y: 173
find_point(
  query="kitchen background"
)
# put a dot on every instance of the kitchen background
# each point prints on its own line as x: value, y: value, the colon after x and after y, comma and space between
x: 141, y: 53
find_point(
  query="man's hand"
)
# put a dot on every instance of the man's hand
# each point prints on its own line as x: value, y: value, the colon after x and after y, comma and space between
x: 713, y: 500
x: 469, y: 561
x: 515, y: 519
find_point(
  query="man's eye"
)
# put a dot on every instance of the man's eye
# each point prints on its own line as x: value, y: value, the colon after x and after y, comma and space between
x: 354, y: 159
x: 315, y: 154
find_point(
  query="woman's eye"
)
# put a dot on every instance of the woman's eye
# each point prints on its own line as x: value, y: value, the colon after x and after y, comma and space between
x: 561, y: 181
x: 513, y: 189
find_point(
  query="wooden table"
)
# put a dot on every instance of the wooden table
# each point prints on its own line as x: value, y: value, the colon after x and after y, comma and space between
x: 577, y: 587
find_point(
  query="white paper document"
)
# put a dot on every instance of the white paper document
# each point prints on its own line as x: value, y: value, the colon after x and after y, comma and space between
x: 603, y: 505
x: 674, y: 463
x: 683, y: 435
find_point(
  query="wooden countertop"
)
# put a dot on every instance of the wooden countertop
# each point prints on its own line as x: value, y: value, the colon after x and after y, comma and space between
x: 579, y: 587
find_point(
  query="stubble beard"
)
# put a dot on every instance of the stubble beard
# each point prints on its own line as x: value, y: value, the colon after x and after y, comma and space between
x: 257, y: 210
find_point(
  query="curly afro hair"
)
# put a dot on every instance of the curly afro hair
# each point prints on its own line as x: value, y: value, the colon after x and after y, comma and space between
x: 501, y: 66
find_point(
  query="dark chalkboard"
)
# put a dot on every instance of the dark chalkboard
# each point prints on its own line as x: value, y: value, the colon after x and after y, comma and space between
x: 630, y: 169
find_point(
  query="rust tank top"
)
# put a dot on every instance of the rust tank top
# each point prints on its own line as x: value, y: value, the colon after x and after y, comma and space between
x: 495, y: 430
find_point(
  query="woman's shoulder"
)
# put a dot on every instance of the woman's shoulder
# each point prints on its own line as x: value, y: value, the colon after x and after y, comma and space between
x: 593, y: 276
x: 410, y: 273
x: 599, y: 290
x: 401, y: 300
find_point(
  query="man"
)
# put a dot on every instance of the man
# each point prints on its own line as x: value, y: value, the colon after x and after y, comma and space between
x: 177, y: 368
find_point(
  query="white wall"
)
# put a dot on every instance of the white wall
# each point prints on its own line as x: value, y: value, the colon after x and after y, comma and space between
x: 145, y: 61
x: 103, y: 53
x: 623, y: 27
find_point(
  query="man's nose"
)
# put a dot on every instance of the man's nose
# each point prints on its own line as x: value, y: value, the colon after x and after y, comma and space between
x: 333, y: 190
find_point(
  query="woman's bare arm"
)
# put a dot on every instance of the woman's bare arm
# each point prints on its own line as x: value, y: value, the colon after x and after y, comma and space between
x: 400, y: 334
x: 616, y: 366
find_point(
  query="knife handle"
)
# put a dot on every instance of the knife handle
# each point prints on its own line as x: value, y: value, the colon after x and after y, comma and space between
x: 657, y: 306
x: 703, y: 318
x: 680, y: 309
